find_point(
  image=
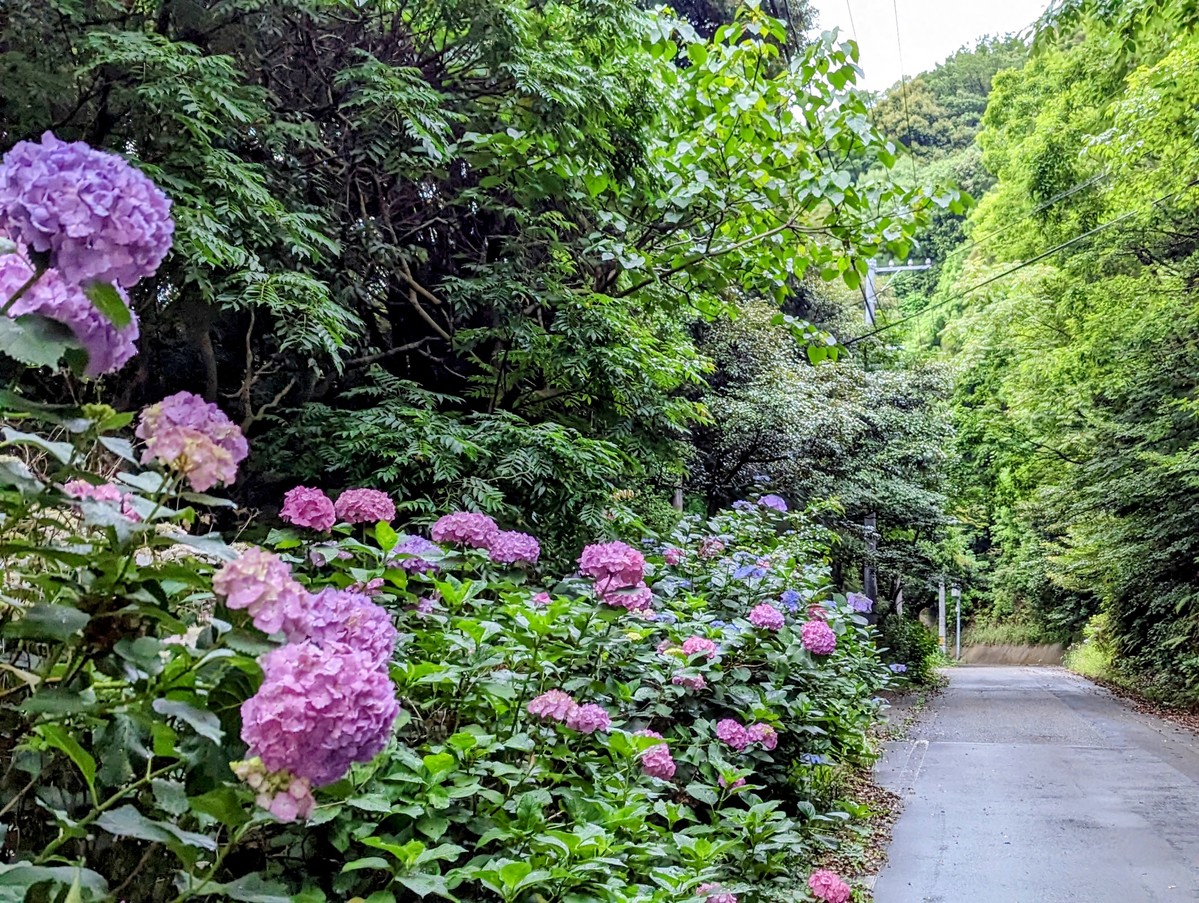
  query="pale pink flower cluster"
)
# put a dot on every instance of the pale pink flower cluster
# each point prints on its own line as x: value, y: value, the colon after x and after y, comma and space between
x: 637, y: 599
x: 514, y: 547
x: 413, y: 548
x: 466, y: 528
x: 712, y: 893
x: 767, y: 617
x: 338, y: 617
x: 261, y: 583
x: 101, y: 492
x: 673, y: 556
x: 710, y: 548
x: 540, y: 599
x: 309, y: 508
x: 556, y: 705
x: 190, y: 435
x: 829, y: 887
x: 281, y: 793
x: 657, y: 761
x: 818, y: 612
x: 818, y: 638
x: 365, y: 506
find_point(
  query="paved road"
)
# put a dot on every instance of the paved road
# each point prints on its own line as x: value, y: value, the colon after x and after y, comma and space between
x: 1031, y: 785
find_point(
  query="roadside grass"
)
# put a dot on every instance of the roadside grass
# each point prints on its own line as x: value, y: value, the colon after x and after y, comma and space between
x: 1006, y: 633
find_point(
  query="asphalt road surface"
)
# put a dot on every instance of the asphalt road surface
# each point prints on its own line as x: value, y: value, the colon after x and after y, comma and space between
x: 1031, y: 785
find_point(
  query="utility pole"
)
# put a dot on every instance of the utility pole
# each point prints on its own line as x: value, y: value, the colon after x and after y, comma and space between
x: 941, y: 614
x: 869, y: 575
x: 957, y: 634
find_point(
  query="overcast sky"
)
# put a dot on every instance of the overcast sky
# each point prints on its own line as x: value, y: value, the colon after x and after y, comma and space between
x: 930, y: 30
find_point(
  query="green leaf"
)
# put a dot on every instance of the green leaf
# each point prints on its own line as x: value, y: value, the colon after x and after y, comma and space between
x: 703, y: 792
x: 126, y: 821
x: 377, y: 863
x: 36, y: 341
x: 423, y: 885
x: 47, y: 621
x: 63, y: 451
x: 109, y: 302
x: 697, y: 53
x: 23, y: 875
x: 223, y: 804
x: 252, y: 888
x: 56, y: 735
x: 386, y: 536
x: 206, y: 724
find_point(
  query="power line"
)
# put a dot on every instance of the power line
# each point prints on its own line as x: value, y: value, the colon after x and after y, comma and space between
x: 985, y: 282
x: 903, y: 86
x: 852, y: 26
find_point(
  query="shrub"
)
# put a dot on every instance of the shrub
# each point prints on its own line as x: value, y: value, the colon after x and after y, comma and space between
x: 909, y: 643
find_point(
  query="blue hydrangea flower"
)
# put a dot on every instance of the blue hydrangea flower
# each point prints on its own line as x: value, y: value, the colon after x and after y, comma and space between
x: 860, y: 602
x: 898, y: 668
x: 790, y: 599
x: 744, y: 571
x: 718, y: 623
x: 813, y: 759
x: 742, y: 505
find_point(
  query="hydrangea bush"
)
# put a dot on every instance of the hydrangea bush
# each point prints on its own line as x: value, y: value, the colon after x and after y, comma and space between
x: 343, y: 711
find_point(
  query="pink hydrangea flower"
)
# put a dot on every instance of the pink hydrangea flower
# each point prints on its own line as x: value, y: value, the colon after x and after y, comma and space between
x: 318, y: 711
x: 667, y: 647
x: 613, y: 565
x: 725, y: 785
x: 338, y: 617
x: 712, y: 893
x: 732, y: 733
x: 818, y: 638
x: 425, y: 607
x: 365, y: 506
x: 818, y: 612
x: 309, y: 508
x: 695, y: 644
x: 695, y: 682
x: 552, y: 704
x: 657, y: 761
x: 589, y: 718
x: 370, y: 588
x: 260, y: 582
x: 466, y: 528
x: 829, y: 887
x: 514, y: 547
x: 764, y: 734
x: 710, y: 548
x: 100, y: 219
x: 413, y: 548
x: 637, y: 598
x: 102, y: 492
x: 767, y: 617
x: 673, y: 556
x: 185, y: 432
x: 52, y: 296
x: 541, y: 599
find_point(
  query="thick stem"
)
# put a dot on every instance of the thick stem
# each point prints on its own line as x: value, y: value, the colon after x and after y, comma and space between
x: 29, y: 283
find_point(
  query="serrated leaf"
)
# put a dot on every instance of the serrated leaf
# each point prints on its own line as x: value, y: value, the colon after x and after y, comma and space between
x: 33, y: 340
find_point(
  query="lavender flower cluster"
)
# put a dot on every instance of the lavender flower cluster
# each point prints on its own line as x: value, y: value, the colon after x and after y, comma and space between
x: 96, y: 219
x: 188, y: 434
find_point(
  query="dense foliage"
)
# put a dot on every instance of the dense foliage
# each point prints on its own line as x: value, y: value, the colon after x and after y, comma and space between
x: 482, y: 227
x: 1070, y: 319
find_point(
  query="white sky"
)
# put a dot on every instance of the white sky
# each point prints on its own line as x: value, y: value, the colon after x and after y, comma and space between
x: 930, y: 30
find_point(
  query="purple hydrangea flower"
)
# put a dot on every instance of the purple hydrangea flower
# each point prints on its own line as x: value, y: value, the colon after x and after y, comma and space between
x: 713, y: 893
x: 513, y: 547
x: 552, y: 704
x: 108, y: 348
x: 695, y: 644
x: 790, y: 599
x: 742, y: 505
x: 318, y: 711
x: 898, y: 668
x: 859, y: 602
x: 637, y: 598
x: 466, y: 528
x: 103, y: 492
x: 365, y: 506
x: 338, y: 617
x: 733, y: 733
x: 764, y: 734
x: 308, y: 507
x: 588, y: 718
x: 767, y: 617
x: 416, y: 547
x: 613, y: 565
x: 187, y: 433
x: 818, y: 638
x: 657, y: 761
x: 260, y: 582
x: 812, y: 759
x: 100, y: 219
x: 673, y: 556
x: 774, y: 502
x: 693, y: 682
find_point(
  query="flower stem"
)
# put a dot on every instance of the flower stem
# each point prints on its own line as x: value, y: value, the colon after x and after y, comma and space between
x: 29, y: 283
